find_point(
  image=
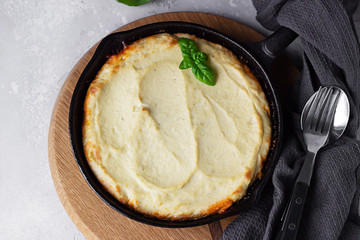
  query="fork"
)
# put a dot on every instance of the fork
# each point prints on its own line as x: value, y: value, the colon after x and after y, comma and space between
x: 317, y: 121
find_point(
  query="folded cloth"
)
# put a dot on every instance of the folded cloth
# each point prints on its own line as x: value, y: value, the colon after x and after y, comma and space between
x: 331, y: 57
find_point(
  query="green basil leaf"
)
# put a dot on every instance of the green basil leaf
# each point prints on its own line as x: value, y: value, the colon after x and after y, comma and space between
x: 201, y: 56
x: 189, y: 62
x: 196, y: 60
x: 185, y: 64
x: 133, y: 2
x: 203, y: 73
x: 187, y: 46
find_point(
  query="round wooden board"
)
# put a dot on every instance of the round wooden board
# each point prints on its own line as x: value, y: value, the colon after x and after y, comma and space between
x: 91, y: 215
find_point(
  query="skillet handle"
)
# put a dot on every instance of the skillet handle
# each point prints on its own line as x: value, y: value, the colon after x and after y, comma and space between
x: 268, y: 49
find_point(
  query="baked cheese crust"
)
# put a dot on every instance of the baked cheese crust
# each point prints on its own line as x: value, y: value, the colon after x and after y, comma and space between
x: 168, y: 145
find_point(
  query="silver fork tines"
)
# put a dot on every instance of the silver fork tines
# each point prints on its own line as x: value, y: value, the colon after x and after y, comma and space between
x: 313, y: 106
x: 306, y: 111
x: 320, y: 111
x: 319, y: 117
x: 316, y: 108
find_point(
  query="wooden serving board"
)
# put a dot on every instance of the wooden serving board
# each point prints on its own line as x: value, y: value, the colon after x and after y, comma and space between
x: 91, y: 215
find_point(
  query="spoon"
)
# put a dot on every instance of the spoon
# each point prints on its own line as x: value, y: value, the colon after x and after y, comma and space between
x: 323, y: 120
x: 341, y: 117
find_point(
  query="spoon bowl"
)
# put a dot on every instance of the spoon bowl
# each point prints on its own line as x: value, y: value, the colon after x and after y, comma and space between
x: 341, y: 117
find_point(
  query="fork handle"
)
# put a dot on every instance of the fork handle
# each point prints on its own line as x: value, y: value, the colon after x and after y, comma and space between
x: 291, y: 222
x: 292, y: 215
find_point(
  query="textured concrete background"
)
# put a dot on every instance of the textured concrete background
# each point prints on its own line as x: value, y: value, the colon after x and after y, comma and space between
x: 40, y: 42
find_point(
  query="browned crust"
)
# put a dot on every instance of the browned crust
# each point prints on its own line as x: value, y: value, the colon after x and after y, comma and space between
x: 92, y: 152
x: 172, y: 42
x: 248, y: 174
x: 259, y: 174
x: 263, y: 158
x: 250, y: 74
x: 217, y: 208
x: 238, y: 191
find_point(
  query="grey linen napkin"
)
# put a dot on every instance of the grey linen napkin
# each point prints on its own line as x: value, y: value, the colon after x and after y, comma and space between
x: 331, y: 57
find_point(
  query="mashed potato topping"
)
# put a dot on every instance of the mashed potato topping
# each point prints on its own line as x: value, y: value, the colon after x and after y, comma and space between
x: 168, y: 145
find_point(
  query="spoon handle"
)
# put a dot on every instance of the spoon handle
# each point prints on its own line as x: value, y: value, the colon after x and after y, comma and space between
x: 292, y: 215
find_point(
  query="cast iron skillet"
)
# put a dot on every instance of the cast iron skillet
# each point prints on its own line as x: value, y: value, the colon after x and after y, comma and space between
x: 257, y: 56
